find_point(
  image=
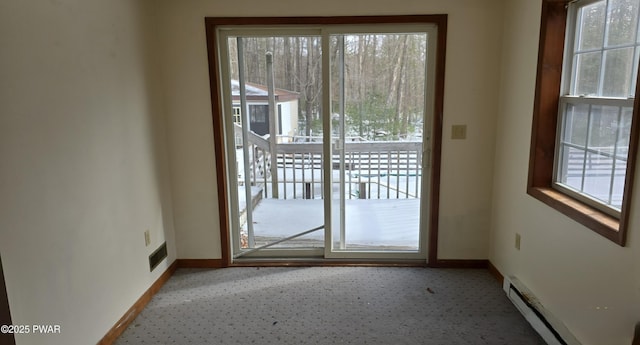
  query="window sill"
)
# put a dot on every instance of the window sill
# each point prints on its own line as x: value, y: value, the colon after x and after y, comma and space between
x: 586, y: 215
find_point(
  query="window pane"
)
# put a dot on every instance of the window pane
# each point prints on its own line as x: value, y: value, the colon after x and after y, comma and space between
x: 634, y: 74
x: 259, y: 113
x: 591, y: 26
x: 597, y: 179
x: 617, y: 73
x: 587, y: 73
x: 570, y: 171
x: 618, y: 184
x: 603, y: 128
x: 622, y: 22
x: 622, y: 150
x: 575, y: 124
x: 638, y: 35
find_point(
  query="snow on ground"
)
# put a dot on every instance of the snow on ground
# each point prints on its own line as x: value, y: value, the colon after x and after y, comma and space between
x: 374, y: 222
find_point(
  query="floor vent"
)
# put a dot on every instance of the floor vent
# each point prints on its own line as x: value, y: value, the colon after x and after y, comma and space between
x: 549, y: 328
x: 157, y: 256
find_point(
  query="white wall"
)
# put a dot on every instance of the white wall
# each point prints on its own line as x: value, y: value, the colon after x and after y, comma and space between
x: 83, y: 167
x: 472, y: 71
x: 587, y: 281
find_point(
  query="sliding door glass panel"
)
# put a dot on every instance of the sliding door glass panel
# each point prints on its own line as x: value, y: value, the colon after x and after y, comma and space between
x: 378, y: 129
x: 274, y: 142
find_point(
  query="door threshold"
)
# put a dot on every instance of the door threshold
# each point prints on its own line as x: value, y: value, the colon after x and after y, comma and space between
x: 308, y: 262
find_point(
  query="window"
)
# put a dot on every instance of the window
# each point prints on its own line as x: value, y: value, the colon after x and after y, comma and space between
x: 584, y: 138
x: 237, y: 117
x: 258, y: 113
x: 596, y: 101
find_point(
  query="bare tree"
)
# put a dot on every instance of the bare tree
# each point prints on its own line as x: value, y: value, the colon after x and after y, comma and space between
x: 384, y: 77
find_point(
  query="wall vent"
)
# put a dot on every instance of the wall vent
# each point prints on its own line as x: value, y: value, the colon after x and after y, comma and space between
x: 157, y: 256
x: 550, y: 329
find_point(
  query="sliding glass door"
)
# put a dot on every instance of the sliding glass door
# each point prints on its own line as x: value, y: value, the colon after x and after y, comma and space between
x: 328, y: 139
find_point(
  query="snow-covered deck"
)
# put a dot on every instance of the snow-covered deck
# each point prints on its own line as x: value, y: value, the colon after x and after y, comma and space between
x: 370, y: 223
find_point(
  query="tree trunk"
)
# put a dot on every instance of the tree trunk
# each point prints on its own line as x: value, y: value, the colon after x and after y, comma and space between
x: 288, y: 64
x: 397, y: 81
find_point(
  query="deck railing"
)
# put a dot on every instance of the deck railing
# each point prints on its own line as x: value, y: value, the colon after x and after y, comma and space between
x: 372, y: 170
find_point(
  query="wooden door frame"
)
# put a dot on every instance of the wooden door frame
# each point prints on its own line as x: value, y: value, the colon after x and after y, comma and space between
x: 211, y: 24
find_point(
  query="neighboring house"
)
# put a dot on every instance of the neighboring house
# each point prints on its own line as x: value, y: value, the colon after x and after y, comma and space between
x: 258, y: 104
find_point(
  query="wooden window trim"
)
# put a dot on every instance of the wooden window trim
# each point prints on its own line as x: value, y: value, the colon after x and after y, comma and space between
x: 543, y: 133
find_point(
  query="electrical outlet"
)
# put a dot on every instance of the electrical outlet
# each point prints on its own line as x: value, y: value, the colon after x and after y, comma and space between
x: 147, y: 238
x: 459, y: 132
x: 518, y: 241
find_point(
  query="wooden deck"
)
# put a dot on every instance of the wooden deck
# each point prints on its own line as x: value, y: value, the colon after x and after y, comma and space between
x: 370, y: 223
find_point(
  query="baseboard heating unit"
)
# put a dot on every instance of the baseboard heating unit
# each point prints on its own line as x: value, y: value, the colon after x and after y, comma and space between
x: 549, y: 328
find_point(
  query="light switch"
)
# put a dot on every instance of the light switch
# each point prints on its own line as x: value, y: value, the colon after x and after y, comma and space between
x: 459, y: 132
